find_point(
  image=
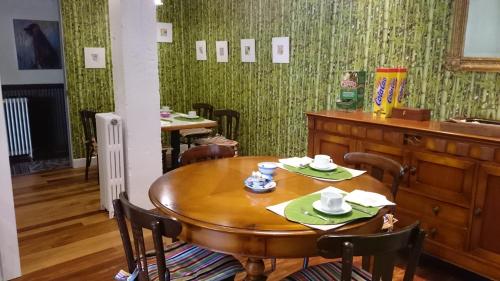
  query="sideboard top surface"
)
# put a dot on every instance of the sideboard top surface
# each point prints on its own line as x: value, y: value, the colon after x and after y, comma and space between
x: 370, y: 118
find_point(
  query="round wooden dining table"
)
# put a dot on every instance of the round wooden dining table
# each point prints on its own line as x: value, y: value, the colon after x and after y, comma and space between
x: 219, y: 213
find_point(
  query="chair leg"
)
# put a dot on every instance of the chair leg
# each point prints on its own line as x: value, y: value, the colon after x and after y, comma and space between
x: 273, y: 264
x: 305, y: 263
x: 164, y: 160
x: 87, y: 164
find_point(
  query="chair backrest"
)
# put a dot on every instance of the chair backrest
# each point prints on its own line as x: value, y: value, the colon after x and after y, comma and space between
x: 89, y: 126
x: 378, y: 164
x: 139, y: 219
x: 384, y: 247
x: 206, y: 152
x: 228, y: 123
x: 204, y: 110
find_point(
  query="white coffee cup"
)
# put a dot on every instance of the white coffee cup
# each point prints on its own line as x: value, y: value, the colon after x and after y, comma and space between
x: 322, y: 161
x: 331, y: 201
x: 165, y: 108
x: 192, y: 113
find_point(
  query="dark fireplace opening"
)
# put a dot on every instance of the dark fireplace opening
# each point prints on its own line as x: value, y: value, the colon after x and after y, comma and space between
x: 36, y: 122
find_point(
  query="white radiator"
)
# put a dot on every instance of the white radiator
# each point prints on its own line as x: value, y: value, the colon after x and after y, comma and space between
x: 110, y: 155
x: 18, y: 126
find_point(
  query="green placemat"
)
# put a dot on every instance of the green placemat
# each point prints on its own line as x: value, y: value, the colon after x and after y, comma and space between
x: 294, y: 211
x: 180, y: 118
x: 340, y: 173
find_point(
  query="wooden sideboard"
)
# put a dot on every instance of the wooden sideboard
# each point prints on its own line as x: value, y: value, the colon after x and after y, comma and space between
x: 452, y: 185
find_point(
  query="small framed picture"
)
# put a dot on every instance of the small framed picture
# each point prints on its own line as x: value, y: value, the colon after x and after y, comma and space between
x: 201, y: 50
x: 94, y: 57
x: 222, y: 51
x: 281, y: 49
x: 248, y: 50
x: 164, y: 32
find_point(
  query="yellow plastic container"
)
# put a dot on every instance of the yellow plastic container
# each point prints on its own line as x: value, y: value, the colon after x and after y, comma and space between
x: 386, y: 80
x: 399, y: 100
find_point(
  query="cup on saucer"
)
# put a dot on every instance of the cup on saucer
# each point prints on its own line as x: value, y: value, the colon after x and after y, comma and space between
x: 267, y: 169
x: 322, y: 161
x: 192, y: 113
x: 331, y: 201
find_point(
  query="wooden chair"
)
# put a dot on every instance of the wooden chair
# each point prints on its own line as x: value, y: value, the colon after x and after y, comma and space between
x: 204, y: 110
x: 384, y: 248
x: 228, y: 125
x: 206, y: 152
x: 379, y: 164
x: 177, y: 261
x: 90, y: 134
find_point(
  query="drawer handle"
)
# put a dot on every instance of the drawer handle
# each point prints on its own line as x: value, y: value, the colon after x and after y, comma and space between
x: 432, y: 232
x: 477, y: 212
x: 436, y: 210
x: 413, y: 171
x: 412, y: 139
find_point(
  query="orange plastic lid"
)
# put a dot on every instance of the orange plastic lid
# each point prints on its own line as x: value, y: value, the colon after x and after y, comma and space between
x: 388, y: 69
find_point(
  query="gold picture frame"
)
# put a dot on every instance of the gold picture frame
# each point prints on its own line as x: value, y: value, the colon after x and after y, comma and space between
x: 456, y: 60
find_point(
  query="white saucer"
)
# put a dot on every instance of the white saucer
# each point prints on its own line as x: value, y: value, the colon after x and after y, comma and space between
x: 191, y: 117
x: 346, y: 208
x: 266, y: 186
x: 330, y: 167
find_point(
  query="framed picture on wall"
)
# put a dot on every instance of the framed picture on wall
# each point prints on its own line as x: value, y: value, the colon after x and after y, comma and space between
x: 248, y: 50
x: 201, y: 50
x: 164, y: 32
x: 94, y: 57
x: 38, y: 44
x: 222, y: 51
x: 281, y: 49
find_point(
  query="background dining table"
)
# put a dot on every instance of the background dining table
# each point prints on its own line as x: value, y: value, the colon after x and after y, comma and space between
x: 173, y: 125
x: 218, y: 212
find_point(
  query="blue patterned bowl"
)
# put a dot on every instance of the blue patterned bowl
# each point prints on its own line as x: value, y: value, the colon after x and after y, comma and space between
x: 267, y: 168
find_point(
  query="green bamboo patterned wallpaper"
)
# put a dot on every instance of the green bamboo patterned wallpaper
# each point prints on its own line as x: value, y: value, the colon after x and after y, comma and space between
x: 85, y: 24
x: 327, y: 37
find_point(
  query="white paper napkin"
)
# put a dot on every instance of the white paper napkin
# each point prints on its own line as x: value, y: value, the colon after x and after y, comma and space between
x: 368, y: 199
x: 298, y: 162
x: 280, y: 210
x: 164, y: 123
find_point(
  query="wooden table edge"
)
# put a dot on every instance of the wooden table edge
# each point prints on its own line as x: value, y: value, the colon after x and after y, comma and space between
x: 192, y: 125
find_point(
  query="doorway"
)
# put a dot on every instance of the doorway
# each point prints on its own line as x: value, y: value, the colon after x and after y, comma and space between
x: 31, y: 67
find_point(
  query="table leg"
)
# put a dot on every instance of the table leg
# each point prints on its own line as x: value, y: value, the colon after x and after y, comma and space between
x: 175, y: 142
x: 255, y: 270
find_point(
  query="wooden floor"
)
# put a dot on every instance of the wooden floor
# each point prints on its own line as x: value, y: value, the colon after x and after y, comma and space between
x: 64, y: 236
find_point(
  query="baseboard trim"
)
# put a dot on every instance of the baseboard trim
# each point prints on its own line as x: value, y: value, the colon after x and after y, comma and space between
x: 80, y: 162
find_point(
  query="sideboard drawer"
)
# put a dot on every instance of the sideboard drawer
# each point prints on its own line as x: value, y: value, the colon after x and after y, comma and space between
x: 432, y: 208
x: 437, y: 230
x: 442, y: 177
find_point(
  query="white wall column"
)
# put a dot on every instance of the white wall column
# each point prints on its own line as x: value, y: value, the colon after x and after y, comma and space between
x: 136, y: 89
x: 10, y: 266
